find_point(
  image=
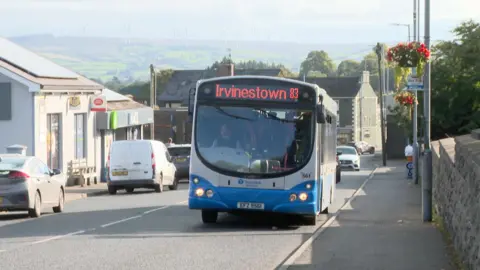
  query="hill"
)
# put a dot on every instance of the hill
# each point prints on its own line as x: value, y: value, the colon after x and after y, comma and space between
x: 129, y: 59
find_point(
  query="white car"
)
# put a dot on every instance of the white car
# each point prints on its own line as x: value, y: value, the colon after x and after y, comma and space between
x: 348, y: 157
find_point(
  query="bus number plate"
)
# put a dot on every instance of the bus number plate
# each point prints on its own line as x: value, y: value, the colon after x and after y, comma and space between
x: 250, y: 205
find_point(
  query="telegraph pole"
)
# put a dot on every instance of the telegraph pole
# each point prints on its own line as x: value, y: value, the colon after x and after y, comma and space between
x: 427, y: 162
x: 380, y: 50
x: 415, y: 106
x: 153, y: 101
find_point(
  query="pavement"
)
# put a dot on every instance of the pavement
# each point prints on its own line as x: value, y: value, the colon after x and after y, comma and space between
x: 73, y: 193
x: 147, y: 230
x: 381, y: 228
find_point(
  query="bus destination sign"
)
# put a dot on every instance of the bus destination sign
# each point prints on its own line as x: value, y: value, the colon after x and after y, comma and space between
x: 251, y: 92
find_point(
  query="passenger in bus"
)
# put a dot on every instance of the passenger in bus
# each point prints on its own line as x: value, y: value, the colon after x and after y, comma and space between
x: 225, y: 139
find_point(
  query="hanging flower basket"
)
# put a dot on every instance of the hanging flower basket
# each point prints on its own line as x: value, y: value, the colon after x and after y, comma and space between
x: 406, y: 56
x: 405, y: 98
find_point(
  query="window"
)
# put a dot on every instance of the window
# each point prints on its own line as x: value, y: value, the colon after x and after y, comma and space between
x: 54, y: 140
x: 80, y: 131
x: 338, y: 111
x: 5, y: 101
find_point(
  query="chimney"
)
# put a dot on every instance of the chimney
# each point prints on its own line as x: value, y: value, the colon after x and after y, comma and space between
x: 225, y: 70
x: 365, y: 77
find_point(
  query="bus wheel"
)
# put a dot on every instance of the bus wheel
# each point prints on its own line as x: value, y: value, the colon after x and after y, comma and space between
x: 310, y: 220
x: 209, y: 216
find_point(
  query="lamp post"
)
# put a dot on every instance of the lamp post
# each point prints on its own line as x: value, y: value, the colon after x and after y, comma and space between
x: 406, y: 25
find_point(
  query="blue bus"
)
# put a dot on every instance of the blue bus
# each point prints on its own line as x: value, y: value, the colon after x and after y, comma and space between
x: 262, y: 144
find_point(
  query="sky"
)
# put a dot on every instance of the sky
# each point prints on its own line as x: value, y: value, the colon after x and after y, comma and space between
x: 302, y: 21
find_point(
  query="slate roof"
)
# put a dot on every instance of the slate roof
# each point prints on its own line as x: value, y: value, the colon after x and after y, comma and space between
x: 178, y: 87
x: 73, y: 82
x: 337, y: 86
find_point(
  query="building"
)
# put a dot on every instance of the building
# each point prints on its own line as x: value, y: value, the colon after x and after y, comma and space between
x: 124, y: 119
x: 57, y: 114
x: 46, y: 108
x: 359, y: 112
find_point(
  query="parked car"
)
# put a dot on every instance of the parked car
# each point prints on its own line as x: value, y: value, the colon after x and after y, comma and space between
x: 140, y: 164
x: 27, y: 184
x: 181, y: 158
x: 349, y: 157
x: 366, y: 148
x: 338, y: 171
x: 362, y: 147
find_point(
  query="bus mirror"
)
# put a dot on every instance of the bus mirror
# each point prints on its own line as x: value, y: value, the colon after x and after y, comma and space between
x: 191, y: 98
x: 320, y: 112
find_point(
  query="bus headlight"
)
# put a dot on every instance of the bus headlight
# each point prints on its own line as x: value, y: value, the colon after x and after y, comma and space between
x: 303, y: 196
x: 195, y: 180
x: 308, y: 186
x: 293, y: 197
x: 209, y: 193
x: 199, y: 192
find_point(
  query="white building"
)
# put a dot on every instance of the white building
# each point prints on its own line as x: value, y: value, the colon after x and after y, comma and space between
x: 46, y: 108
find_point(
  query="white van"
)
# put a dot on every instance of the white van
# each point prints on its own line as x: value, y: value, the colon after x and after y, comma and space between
x: 140, y: 164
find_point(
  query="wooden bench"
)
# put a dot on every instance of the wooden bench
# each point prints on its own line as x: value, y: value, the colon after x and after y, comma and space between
x: 81, y: 173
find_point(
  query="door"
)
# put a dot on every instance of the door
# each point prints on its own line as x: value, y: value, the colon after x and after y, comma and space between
x: 53, y: 186
x: 54, y: 145
x: 120, y: 161
x: 141, y: 160
x: 170, y: 166
x: 41, y: 179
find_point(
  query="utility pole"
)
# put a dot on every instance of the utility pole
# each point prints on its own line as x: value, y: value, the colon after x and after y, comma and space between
x: 427, y: 161
x: 153, y: 98
x: 380, y: 50
x: 415, y: 106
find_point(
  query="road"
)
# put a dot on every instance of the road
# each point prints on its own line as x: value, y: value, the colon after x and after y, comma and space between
x: 147, y: 230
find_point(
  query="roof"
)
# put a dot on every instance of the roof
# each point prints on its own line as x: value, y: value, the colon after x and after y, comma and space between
x: 114, y: 96
x: 40, y: 70
x: 178, y: 87
x: 124, y: 105
x: 337, y: 86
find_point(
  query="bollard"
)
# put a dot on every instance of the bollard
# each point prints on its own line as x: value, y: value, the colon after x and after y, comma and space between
x: 409, y: 156
x: 409, y: 166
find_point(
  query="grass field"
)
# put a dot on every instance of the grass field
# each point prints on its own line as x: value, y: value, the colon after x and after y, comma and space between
x: 105, y: 58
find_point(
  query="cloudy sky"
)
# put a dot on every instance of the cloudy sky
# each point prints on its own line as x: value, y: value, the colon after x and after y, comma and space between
x: 304, y: 21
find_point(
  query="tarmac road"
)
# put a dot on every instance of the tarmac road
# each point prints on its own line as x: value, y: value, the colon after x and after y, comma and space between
x: 147, y: 230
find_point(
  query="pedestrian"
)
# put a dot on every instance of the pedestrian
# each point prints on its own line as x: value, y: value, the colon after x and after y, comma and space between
x: 170, y: 142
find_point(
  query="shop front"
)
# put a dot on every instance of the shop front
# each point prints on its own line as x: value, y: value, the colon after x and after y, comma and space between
x: 116, y: 125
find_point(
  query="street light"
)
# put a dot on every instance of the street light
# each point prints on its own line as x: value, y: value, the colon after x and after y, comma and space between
x: 404, y: 24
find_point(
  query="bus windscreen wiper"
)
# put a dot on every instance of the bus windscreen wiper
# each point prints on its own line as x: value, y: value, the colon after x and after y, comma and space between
x: 231, y: 115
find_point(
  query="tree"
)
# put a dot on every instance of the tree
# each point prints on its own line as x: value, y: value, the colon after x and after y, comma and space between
x: 317, y: 61
x: 456, y: 83
x: 349, y: 68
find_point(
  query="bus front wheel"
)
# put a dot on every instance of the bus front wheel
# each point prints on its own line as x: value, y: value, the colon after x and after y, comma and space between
x: 311, y: 220
x: 209, y: 216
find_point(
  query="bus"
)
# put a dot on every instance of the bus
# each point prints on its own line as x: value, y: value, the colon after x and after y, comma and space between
x: 262, y: 144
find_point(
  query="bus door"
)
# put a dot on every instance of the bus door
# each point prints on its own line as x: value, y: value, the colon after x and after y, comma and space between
x: 320, y: 166
x: 326, y: 183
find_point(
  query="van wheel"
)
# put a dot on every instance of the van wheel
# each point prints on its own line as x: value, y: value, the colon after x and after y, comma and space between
x: 159, y: 186
x: 112, y: 190
x: 37, y: 208
x: 174, y: 186
x: 61, y: 203
x: 130, y: 190
x: 325, y: 211
x: 310, y: 220
x: 209, y: 216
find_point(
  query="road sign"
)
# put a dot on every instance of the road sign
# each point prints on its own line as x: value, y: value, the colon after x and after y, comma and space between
x: 414, y: 83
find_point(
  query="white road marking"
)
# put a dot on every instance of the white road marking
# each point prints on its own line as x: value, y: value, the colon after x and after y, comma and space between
x: 57, y: 237
x: 120, y: 221
x: 156, y: 209
x: 295, y: 255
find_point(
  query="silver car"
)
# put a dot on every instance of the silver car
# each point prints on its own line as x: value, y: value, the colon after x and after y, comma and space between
x: 181, y: 158
x: 27, y: 184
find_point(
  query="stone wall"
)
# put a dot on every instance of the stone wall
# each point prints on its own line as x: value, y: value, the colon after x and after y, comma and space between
x: 456, y: 193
